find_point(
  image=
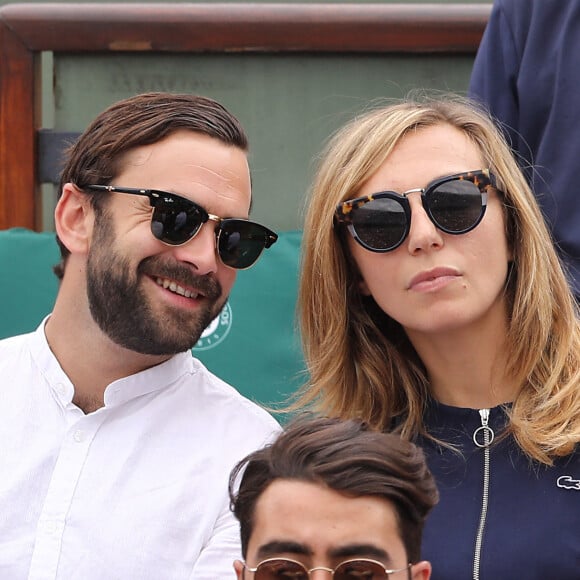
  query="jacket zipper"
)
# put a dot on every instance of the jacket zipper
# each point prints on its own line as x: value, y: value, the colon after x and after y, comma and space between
x: 485, y: 432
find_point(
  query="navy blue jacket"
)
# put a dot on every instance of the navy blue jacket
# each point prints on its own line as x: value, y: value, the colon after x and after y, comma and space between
x: 531, y: 528
x: 527, y: 71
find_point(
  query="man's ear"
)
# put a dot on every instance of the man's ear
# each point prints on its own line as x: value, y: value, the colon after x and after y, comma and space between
x: 73, y: 219
x: 421, y: 570
x: 239, y: 568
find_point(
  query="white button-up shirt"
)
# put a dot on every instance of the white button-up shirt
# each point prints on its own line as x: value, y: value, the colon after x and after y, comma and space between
x: 135, y: 490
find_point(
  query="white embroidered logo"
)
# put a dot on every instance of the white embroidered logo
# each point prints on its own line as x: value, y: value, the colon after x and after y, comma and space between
x: 566, y: 482
x: 217, y: 330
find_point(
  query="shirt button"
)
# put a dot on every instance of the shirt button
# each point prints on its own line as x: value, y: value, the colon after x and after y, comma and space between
x: 60, y: 389
x: 79, y: 436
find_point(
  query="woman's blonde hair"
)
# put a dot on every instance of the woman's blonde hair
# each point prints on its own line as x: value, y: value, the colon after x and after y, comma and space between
x: 360, y: 361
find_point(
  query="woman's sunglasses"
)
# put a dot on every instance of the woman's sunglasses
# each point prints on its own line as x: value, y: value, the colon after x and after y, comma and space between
x: 380, y: 222
x: 284, y: 569
x: 176, y: 220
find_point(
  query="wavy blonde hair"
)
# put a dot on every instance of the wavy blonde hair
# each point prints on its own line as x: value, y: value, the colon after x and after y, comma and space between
x: 361, y: 362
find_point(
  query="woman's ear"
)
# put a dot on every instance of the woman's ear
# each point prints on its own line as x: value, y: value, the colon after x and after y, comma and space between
x: 73, y: 219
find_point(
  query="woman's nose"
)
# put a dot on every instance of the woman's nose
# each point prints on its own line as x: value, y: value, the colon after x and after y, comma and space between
x: 423, y: 234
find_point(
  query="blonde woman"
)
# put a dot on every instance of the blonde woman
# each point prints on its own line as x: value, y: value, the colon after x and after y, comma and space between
x: 432, y: 301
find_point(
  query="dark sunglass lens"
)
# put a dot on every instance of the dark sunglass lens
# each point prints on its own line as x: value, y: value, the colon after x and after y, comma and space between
x: 241, y: 242
x: 380, y: 224
x: 359, y: 570
x: 456, y: 206
x: 281, y: 570
x: 175, y: 221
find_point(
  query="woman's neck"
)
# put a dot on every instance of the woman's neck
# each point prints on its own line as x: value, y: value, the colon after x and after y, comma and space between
x: 467, y: 369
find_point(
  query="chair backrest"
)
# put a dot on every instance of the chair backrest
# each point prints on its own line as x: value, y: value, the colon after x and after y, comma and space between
x: 253, y: 344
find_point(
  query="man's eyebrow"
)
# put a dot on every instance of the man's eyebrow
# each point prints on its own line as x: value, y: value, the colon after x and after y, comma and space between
x: 276, y: 547
x: 361, y: 551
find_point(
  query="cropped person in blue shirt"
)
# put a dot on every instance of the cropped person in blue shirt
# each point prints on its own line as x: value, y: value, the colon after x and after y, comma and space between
x: 526, y: 73
x: 433, y: 302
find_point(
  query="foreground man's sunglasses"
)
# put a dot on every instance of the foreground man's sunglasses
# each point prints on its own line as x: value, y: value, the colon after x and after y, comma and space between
x: 285, y: 569
x: 380, y: 222
x: 176, y: 220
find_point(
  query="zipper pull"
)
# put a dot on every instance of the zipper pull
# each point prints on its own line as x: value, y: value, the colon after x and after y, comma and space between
x: 483, y: 436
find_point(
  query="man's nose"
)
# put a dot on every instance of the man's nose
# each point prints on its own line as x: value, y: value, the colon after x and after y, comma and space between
x: 201, y: 250
x: 320, y: 573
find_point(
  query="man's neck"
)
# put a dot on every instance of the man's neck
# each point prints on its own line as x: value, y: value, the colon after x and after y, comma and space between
x: 90, y: 359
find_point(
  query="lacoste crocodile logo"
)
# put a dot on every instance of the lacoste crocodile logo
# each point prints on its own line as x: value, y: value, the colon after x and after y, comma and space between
x: 566, y: 482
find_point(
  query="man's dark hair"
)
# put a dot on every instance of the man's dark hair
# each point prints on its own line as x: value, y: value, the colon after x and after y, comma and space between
x: 97, y: 156
x: 348, y: 457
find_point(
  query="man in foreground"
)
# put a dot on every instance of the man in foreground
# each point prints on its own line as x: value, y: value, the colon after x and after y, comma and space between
x: 330, y: 495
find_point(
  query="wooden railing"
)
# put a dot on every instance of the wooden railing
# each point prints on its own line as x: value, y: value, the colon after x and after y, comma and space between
x: 28, y: 29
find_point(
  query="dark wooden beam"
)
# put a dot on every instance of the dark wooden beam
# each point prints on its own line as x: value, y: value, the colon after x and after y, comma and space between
x: 248, y: 27
x: 17, y: 132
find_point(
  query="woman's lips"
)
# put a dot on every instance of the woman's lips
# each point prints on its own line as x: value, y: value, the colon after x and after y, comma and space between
x: 433, y: 279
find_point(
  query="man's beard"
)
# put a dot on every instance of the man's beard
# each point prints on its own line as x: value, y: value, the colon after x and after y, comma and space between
x: 122, y: 309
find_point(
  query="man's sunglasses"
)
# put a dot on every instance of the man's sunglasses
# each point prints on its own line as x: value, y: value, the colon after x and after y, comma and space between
x: 380, y: 222
x: 176, y: 220
x: 285, y: 569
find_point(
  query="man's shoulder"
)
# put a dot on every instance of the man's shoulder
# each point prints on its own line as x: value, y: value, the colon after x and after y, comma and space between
x: 13, y: 344
x: 16, y: 359
x: 218, y: 394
